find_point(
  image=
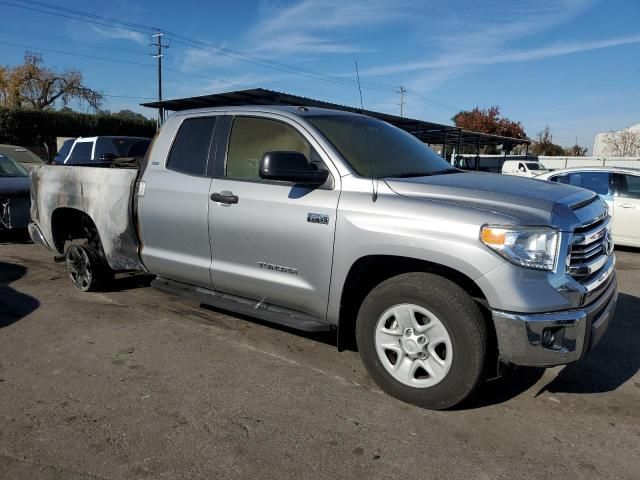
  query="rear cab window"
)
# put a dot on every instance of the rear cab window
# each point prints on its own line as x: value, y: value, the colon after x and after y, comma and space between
x: 62, y: 154
x: 190, y: 150
x: 81, y: 153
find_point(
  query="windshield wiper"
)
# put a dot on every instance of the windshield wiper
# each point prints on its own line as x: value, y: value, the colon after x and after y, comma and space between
x: 426, y: 174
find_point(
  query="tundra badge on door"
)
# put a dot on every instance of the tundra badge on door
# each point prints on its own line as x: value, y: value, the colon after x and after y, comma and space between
x: 318, y: 218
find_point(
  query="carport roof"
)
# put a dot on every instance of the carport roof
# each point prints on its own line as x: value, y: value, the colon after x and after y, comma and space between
x: 428, y: 132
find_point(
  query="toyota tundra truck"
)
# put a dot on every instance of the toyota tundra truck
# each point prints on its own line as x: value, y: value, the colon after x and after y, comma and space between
x: 328, y: 220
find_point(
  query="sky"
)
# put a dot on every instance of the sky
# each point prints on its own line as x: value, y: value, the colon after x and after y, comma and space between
x: 570, y: 64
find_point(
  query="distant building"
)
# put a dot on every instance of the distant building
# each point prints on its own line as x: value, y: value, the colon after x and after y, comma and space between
x: 601, y: 147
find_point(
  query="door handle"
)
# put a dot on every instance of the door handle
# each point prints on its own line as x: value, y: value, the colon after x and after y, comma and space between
x: 626, y: 205
x: 224, y: 197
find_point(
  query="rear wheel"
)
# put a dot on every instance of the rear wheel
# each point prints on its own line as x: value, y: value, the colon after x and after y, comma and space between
x: 423, y: 339
x: 86, y: 271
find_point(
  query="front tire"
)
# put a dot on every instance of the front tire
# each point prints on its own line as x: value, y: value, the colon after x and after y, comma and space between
x: 423, y: 339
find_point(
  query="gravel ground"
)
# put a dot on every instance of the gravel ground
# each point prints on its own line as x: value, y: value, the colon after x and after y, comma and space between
x: 136, y: 383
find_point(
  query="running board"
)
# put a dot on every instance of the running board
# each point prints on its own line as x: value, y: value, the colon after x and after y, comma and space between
x: 245, y: 306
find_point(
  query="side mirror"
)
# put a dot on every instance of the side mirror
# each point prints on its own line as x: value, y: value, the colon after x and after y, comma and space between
x: 291, y: 167
x: 107, y: 157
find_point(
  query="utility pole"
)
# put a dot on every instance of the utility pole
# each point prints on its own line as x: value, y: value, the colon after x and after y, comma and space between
x: 158, y: 55
x: 402, y: 91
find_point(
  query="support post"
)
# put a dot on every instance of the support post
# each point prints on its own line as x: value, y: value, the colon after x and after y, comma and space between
x: 444, y: 145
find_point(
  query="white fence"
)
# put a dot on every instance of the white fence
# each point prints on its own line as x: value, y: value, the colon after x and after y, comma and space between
x: 564, y: 162
x: 494, y: 162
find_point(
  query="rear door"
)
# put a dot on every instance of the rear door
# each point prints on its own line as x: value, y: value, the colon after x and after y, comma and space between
x: 627, y: 210
x: 173, y: 212
x: 275, y: 244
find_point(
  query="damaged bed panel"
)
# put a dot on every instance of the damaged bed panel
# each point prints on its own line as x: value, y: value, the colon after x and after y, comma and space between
x: 104, y: 194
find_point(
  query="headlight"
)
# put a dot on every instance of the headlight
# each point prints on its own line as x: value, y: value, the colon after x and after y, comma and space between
x: 530, y: 247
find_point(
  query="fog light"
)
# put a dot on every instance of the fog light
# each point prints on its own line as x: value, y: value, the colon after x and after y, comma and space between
x: 548, y: 337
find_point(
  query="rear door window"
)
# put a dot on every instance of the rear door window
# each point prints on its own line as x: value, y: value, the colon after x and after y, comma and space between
x: 190, y: 150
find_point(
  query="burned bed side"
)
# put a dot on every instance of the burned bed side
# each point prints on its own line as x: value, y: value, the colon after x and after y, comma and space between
x: 103, y: 194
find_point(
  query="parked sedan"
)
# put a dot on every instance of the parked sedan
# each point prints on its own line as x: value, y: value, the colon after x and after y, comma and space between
x: 23, y: 156
x: 15, y: 200
x: 619, y: 187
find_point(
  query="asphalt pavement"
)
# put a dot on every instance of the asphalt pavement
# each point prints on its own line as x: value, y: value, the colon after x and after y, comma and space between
x: 135, y: 383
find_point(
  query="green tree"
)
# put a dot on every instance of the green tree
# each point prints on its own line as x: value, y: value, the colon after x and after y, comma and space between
x: 130, y: 115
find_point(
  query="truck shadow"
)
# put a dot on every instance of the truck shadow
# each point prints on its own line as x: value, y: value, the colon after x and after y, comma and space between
x: 129, y: 281
x: 328, y: 337
x: 15, y: 236
x: 15, y: 305
x: 613, y: 362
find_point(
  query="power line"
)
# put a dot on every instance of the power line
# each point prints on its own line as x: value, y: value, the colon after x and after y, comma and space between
x: 79, y: 15
x: 111, y: 23
x: 7, y: 30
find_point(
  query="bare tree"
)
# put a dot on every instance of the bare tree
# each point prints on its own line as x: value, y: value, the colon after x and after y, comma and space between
x: 544, y: 145
x: 625, y: 143
x: 36, y: 86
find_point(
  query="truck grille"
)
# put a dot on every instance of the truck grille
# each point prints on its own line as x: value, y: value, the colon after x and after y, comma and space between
x: 590, y: 249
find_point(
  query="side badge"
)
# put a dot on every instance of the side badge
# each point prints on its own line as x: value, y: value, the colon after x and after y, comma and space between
x: 318, y: 218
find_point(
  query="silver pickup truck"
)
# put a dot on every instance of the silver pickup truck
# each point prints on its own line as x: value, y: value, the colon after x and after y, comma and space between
x: 319, y: 220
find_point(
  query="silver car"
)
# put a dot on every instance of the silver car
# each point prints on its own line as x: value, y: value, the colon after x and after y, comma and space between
x: 319, y: 219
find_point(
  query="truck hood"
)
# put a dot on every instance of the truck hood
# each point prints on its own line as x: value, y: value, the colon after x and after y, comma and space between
x: 523, y: 200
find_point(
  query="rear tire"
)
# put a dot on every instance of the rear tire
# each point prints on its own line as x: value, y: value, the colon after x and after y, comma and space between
x: 87, y: 271
x: 423, y: 339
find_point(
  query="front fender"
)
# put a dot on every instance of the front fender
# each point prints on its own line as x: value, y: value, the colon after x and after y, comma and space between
x: 435, y: 232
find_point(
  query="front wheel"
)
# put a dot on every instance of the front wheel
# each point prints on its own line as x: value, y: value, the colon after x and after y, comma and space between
x: 423, y: 339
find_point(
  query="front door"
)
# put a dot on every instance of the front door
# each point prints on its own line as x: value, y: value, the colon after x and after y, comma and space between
x: 627, y: 210
x: 272, y: 241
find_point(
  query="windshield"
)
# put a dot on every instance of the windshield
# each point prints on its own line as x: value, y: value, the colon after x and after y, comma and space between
x: 11, y: 168
x: 374, y: 148
x: 535, y: 166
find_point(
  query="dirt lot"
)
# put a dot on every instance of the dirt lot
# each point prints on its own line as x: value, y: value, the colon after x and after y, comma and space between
x: 136, y: 383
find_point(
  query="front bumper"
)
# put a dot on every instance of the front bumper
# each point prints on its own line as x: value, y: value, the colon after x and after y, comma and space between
x: 554, y: 338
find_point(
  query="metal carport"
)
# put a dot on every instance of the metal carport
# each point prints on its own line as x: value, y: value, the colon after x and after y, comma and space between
x: 429, y: 132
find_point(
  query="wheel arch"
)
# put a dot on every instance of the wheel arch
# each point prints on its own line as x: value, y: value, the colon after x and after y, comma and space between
x: 370, y: 270
x: 71, y: 224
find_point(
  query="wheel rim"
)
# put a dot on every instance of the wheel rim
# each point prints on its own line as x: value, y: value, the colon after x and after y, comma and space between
x: 413, y: 345
x: 79, y: 267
